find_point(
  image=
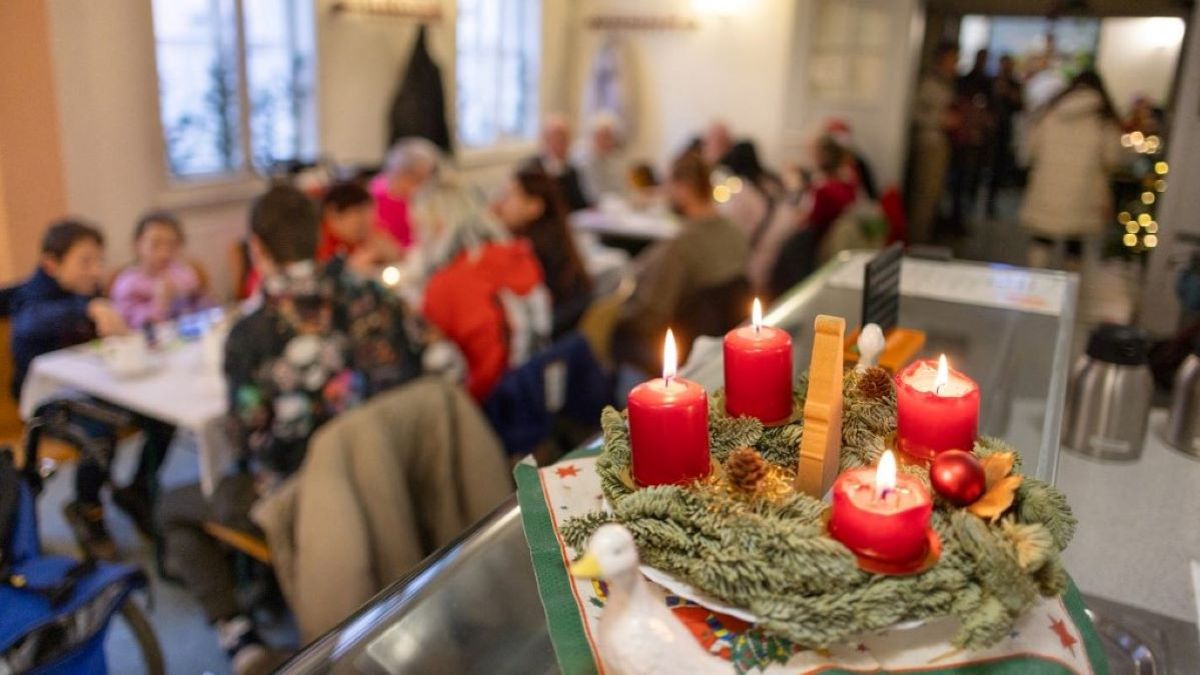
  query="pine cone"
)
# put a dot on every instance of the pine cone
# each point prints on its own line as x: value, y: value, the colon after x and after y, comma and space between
x: 874, y: 383
x: 745, y: 469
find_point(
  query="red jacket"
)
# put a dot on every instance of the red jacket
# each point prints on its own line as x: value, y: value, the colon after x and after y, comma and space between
x: 461, y: 300
x: 830, y: 199
x: 330, y: 245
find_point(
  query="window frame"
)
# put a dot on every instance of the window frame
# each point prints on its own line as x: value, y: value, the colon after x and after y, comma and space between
x: 506, y: 151
x: 240, y: 184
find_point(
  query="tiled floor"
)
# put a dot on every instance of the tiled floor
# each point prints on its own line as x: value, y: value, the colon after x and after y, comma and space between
x: 188, y: 643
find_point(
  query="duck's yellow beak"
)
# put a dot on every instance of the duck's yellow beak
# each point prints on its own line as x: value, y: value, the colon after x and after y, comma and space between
x: 587, y: 567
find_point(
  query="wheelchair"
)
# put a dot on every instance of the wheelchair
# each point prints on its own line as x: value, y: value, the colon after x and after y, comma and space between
x: 55, y: 611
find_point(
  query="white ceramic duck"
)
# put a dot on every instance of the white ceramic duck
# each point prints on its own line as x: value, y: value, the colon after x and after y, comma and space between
x: 637, y: 634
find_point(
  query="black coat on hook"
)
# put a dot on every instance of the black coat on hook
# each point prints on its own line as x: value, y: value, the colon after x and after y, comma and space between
x: 419, y: 106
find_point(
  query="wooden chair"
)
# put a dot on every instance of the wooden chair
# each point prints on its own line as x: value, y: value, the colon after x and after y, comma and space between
x: 246, y: 543
x: 599, y: 321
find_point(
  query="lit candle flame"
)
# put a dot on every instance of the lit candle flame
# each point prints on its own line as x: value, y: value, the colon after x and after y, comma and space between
x: 669, y: 357
x: 756, y: 315
x: 943, y: 375
x: 885, y: 475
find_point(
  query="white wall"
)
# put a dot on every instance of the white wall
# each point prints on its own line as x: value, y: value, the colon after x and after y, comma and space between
x: 1138, y: 56
x: 105, y: 80
x: 360, y: 61
x: 1181, y: 203
x: 880, y: 126
x: 734, y: 68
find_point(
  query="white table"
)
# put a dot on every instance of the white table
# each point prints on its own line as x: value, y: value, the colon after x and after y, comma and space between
x: 180, y: 389
x: 627, y: 224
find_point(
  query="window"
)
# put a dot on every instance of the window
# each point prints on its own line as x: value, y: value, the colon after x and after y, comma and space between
x: 849, y: 54
x: 206, y: 50
x: 498, y: 62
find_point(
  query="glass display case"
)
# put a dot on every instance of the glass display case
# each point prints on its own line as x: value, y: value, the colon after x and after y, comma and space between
x: 474, y: 607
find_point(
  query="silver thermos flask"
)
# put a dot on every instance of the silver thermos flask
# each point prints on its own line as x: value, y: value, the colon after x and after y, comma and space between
x: 1183, y: 424
x: 1108, y: 406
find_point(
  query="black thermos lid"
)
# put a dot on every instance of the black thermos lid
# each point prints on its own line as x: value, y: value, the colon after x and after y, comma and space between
x: 1121, y: 345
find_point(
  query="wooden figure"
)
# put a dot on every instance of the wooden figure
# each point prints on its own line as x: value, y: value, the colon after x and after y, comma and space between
x: 821, y: 444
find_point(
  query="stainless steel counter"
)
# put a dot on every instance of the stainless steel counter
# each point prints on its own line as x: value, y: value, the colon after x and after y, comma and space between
x: 474, y: 607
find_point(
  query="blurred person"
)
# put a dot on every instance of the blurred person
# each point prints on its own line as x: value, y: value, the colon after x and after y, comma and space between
x: 970, y: 142
x: 755, y: 192
x: 1143, y: 116
x: 348, y: 230
x: 644, y: 190
x: 710, y: 251
x: 790, y: 249
x: 410, y: 164
x: 531, y: 208
x: 1007, y: 103
x: 160, y: 284
x: 601, y: 168
x: 486, y: 292
x: 716, y: 143
x: 1074, y: 147
x: 1043, y: 81
x: 322, y: 342
x: 933, y: 119
x: 840, y: 131
x: 554, y: 158
x: 831, y: 189
x: 976, y: 81
x: 58, y: 307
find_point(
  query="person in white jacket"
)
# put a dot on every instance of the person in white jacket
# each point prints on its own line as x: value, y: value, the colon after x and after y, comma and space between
x: 1073, y: 148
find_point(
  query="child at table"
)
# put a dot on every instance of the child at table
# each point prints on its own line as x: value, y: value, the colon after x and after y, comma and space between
x: 160, y: 284
x: 59, y: 307
x: 348, y: 230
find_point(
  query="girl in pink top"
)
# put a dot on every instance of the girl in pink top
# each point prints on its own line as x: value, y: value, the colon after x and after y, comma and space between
x: 160, y: 284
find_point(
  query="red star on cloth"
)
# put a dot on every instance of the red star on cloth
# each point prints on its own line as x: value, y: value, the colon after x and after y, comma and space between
x: 1064, y: 634
x: 567, y: 471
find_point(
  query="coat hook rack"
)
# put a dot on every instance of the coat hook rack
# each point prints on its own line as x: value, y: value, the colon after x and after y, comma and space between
x: 642, y: 22
x: 397, y: 9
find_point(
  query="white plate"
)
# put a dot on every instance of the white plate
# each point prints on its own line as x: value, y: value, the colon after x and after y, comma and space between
x: 689, y: 592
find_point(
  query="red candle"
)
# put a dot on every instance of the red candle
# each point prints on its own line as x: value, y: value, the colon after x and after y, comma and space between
x: 758, y: 371
x: 668, y: 427
x: 879, y: 514
x: 937, y: 409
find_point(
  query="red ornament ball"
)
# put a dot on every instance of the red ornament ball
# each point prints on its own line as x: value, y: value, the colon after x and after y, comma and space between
x: 958, y: 477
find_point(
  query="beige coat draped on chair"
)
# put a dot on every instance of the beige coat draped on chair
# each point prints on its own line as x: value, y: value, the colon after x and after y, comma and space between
x: 382, y: 487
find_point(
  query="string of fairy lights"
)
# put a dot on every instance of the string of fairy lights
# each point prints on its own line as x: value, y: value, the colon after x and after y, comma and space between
x: 1138, y: 216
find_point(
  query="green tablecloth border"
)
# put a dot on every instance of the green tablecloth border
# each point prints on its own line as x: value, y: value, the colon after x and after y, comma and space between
x: 566, y: 625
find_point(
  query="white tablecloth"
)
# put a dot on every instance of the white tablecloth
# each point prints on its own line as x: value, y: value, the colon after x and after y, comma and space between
x: 179, y: 389
x: 626, y: 223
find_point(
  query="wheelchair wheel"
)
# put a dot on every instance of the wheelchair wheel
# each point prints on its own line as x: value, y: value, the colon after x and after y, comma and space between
x: 143, y: 635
